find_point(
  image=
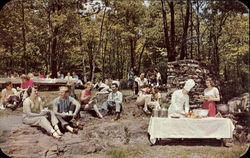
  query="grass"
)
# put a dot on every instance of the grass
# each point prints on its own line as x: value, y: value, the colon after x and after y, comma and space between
x: 146, y: 151
x: 125, y: 152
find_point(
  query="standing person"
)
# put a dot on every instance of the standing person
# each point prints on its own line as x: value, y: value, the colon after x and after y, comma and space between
x: 131, y: 78
x: 211, y: 94
x: 114, y: 101
x: 88, y: 102
x: 180, y: 99
x: 35, y: 115
x: 66, y: 109
x: 140, y: 82
x: 158, y: 77
x: 7, y: 92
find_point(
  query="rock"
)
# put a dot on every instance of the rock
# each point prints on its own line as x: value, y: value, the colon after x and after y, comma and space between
x: 239, y: 104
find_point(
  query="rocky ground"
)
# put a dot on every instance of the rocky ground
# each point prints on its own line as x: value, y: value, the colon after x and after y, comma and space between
x: 103, y: 138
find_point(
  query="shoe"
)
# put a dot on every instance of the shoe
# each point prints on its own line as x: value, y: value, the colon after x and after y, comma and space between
x: 75, y: 131
x: 55, y: 135
x: 117, y: 116
x: 59, y: 132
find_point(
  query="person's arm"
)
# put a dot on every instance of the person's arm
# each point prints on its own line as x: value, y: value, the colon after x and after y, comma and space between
x: 3, y: 96
x: 187, y: 105
x: 119, y: 98
x: 216, y: 96
x: 78, y: 106
x: 27, y: 110
x: 173, y: 98
x: 55, y: 109
x: 15, y: 91
x: 110, y: 97
x: 83, y: 96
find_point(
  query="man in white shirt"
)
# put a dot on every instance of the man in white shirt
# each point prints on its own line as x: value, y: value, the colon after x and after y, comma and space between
x: 180, y: 99
x: 140, y: 82
x: 114, y: 101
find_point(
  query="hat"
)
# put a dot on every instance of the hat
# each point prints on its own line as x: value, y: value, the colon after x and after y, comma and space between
x: 189, y: 84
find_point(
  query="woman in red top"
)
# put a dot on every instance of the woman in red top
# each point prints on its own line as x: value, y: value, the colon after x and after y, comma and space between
x: 87, y: 102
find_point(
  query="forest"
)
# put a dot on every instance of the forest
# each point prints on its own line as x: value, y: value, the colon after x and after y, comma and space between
x: 106, y: 38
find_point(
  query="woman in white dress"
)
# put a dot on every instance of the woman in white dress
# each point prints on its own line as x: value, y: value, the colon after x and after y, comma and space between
x: 35, y: 115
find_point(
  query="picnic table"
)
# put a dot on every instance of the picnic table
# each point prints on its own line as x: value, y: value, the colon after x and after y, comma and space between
x: 38, y: 81
x: 209, y: 127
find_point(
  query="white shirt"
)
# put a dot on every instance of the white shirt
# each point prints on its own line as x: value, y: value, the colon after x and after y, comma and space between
x: 178, y: 100
x: 141, y: 82
x: 117, y: 97
x: 211, y: 92
x: 68, y: 78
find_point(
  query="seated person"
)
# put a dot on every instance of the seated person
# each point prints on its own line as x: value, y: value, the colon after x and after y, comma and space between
x: 180, y: 99
x: 35, y: 115
x: 87, y: 102
x: 7, y: 100
x: 66, y: 109
x: 114, y: 101
x: 102, y: 87
x: 149, y: 97
x: 26, y: 83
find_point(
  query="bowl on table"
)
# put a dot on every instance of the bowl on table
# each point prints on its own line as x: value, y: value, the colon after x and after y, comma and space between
x: 201, y: 112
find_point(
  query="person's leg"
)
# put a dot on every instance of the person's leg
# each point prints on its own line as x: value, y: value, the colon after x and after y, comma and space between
x: 147, y: 100
x: 44, y: 123
x: 97, y: 111
x: 117, y: 107
x: 54, y: 121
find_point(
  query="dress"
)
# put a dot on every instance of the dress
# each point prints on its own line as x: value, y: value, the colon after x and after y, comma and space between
x: 210, y: 105
x: 30, y: 107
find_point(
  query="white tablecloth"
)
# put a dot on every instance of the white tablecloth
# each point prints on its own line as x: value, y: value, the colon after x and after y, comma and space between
x: 190, y: 128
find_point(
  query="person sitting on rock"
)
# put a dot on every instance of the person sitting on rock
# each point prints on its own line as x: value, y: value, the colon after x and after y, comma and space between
x: 180, y: 99
x: 35, y: 115
x: 149, y: 97
x: 102, y: 87
x: 114, y: 101
x: 7, y: 93
x: 67, y: 109
x: 88, y: 102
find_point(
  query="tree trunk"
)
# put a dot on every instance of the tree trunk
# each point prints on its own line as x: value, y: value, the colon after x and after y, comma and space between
x: 132, y: 51
x: 140, y: 57
x: 191, y: 32
x: 25, y: 64
x: 172, y: 31
x: 98, y: 47
x: 198, y: 30
x: 185, y: 29
x: 171, y: 56
x: 54, y: 53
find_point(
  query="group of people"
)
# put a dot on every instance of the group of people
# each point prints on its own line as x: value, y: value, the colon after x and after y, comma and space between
x: 152, y: 78
x: 65, y: 113
x: 180, y: 99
